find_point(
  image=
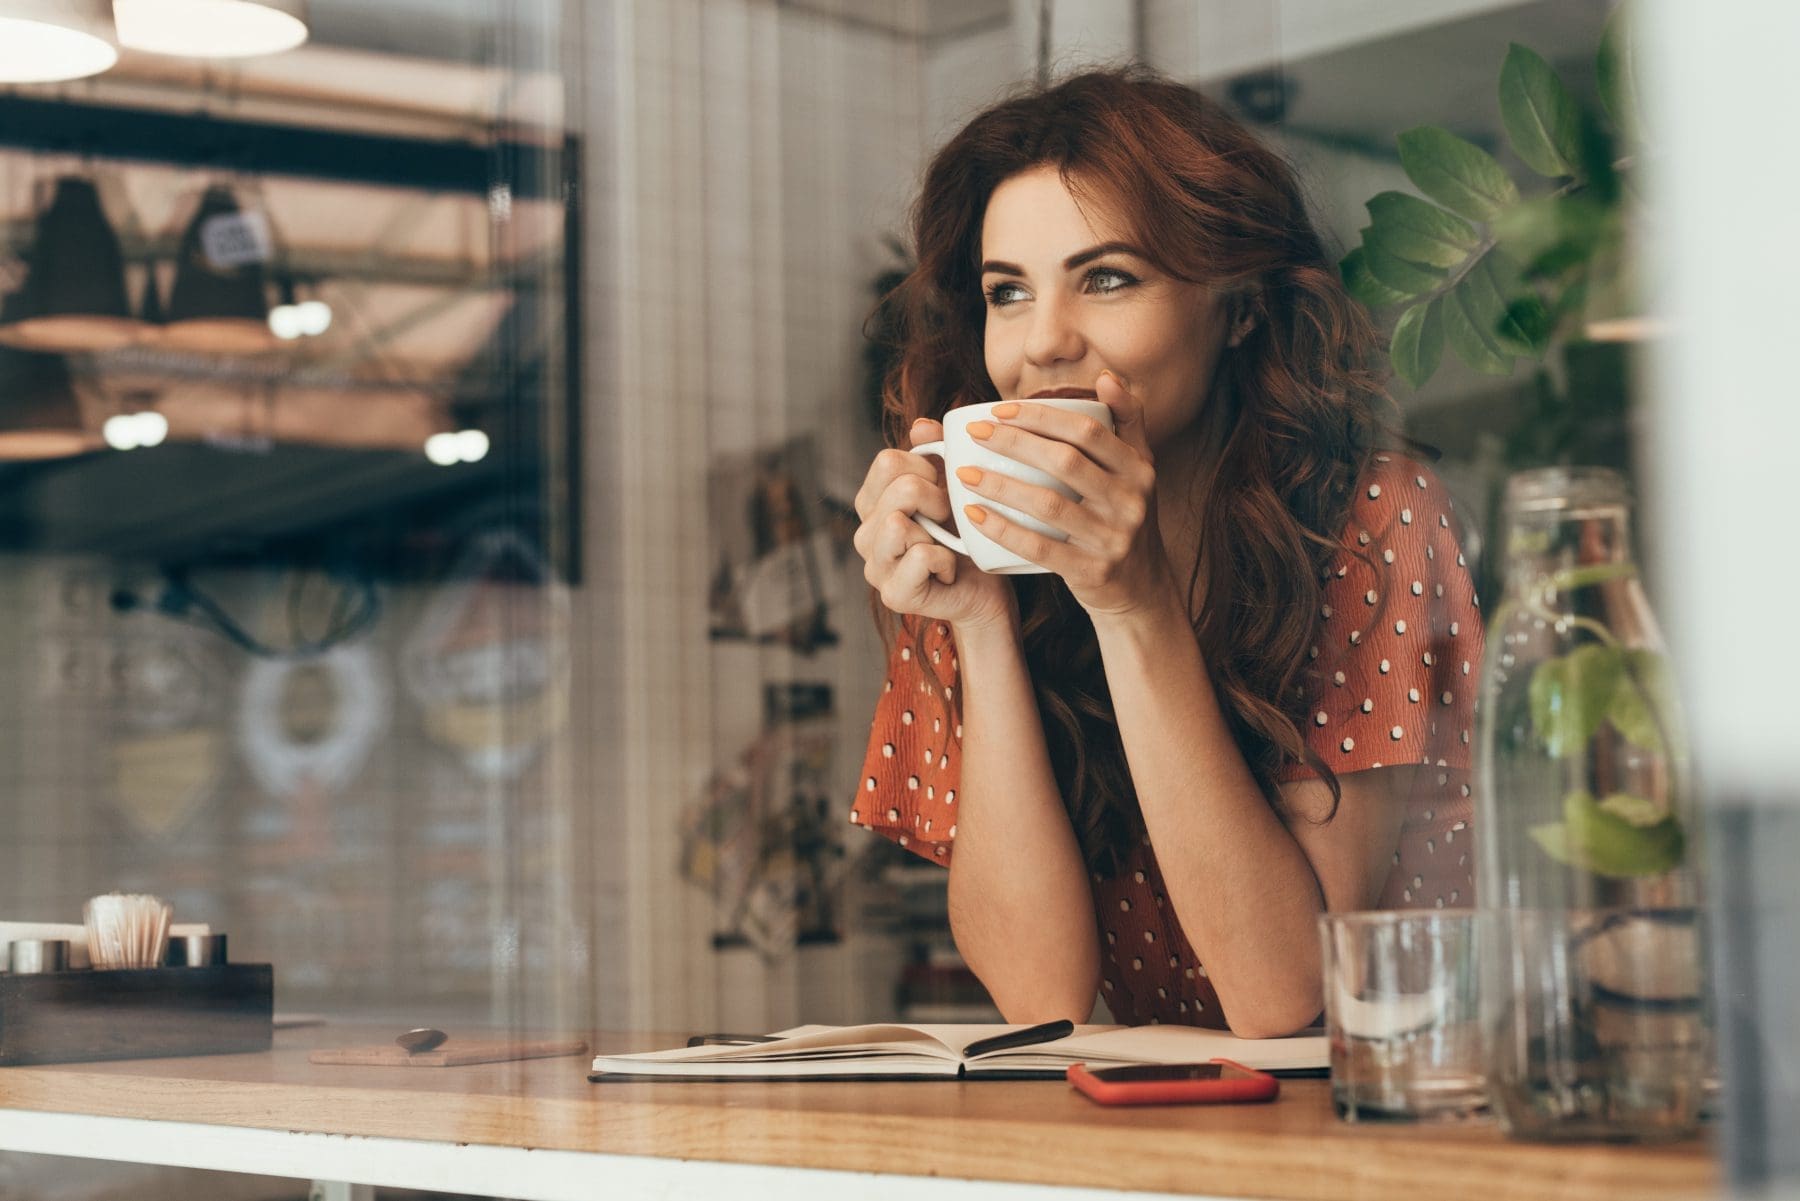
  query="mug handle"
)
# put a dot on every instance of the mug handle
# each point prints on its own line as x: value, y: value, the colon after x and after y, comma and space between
x: 931, y: 527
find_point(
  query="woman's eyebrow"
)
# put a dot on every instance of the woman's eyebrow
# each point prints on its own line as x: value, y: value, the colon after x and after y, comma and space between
x: 1094, y: 252
x: 1069, y: 264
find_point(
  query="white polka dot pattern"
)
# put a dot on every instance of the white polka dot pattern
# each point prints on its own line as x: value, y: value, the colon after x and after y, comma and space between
x: 910, y: 719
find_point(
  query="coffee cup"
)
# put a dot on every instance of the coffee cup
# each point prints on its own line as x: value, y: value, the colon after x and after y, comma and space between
x: 957, y: 449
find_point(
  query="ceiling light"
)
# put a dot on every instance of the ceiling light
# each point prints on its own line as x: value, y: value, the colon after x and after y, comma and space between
x: 315, y: 317
x: 44, y: 41
x: 152, y: 428
x: 293, y: 318
x: 285, y: 322
x: 120, y: 432
x: 284, y: 319
x: 443, y: 449
x: 211, y: 28
x: 129, y: 431
x: 471, y: 446
x: 73, y: 298
x: 221, y: 307
x: 450, y: 447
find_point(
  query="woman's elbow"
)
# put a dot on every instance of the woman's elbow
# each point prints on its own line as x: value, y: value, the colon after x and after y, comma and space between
x: 1034, y: 1010
x: 1271, y: 1019
x: 1034, y: 996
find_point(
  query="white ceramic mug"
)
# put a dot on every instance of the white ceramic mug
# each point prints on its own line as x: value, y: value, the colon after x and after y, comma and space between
x: 958, y: 449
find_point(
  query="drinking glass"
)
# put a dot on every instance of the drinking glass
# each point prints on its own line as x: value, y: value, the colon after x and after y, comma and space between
x: 1402, y: 1012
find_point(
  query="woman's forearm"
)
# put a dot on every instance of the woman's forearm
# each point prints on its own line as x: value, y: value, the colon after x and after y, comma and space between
x: 1020, y: 907
x: 1241, y: 886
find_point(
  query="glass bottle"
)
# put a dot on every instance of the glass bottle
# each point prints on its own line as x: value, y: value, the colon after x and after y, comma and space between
x: 1592, y: 992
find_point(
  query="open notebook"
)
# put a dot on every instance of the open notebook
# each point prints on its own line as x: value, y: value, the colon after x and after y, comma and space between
x: 926, y: 1052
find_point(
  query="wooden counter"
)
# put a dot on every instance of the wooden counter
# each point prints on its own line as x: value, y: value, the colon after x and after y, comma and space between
x: 1028, y: 1132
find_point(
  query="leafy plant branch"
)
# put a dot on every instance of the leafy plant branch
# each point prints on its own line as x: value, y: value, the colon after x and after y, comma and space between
x: 1571, y: 699
x: 1492, y: 273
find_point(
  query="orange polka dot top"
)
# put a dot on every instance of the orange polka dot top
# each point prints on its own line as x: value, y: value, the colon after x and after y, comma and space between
x: 1393, y: 682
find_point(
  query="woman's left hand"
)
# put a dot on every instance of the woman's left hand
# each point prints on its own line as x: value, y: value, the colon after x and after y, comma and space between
x: 1113, y: 561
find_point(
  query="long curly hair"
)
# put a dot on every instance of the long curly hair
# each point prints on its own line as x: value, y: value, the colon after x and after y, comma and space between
x: 1214, y: 206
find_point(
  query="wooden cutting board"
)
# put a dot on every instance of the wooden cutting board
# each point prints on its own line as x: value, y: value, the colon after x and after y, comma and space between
x: 453, y: 1054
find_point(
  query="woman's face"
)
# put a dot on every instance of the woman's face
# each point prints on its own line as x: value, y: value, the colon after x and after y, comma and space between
x: 1068, y: 296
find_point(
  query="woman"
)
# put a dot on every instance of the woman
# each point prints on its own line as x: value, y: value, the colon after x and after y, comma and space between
x: 1242, y: 694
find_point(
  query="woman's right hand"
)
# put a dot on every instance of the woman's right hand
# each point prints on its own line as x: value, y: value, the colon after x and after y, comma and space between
x: 913, y: 572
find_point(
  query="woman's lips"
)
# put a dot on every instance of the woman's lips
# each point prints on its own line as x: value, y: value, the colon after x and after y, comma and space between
x: 1064, y: 394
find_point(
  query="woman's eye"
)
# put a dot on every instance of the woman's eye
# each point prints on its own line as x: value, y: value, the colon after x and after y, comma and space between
x: 1001, y: 295
x: 1109, y: 279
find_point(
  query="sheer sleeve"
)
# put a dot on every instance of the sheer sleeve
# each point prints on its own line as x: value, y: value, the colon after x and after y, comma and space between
x: 1400, y: 638
x: 914, y: 759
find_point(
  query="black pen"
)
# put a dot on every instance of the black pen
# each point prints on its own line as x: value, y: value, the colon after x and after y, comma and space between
x: 1030, y: 1036
x: 729, y: 1040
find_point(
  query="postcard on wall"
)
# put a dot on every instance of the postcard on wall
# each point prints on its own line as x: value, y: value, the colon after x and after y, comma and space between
x: 775, y: 559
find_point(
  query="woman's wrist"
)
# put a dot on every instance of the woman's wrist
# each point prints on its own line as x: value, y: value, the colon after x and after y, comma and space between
x: 1141, y: 648
x: 976, y: 634
x: 1164, y: 615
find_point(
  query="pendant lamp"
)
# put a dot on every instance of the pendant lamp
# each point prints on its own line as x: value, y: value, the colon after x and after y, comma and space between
x: 150, y: 305
x: 40, y: 417
x: 45, y: 41
x: 74, y: 293
x: 211, y: 28
x: 216, y: 308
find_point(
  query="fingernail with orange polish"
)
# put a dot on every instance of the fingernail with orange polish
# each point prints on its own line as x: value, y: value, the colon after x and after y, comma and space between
x: 975, y: 513
x: 1007, y: 410
x: 969, y: 475
x: 981, y: 429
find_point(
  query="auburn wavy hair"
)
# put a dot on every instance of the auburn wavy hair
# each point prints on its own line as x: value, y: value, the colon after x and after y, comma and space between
x: 1212, y: 205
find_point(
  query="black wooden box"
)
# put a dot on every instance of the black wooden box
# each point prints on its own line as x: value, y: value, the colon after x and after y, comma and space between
x: 63, y: 1017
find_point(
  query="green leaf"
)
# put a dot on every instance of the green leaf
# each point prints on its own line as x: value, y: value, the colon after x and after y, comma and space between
x: 1532, y: 319
x: 1456, y: 173
x: 1554, y: 839
x: 1571, y: 578
x: 1573, y: 300
x: 1489, y: 288
x: 1598, y: 166
x: 1395, y: 273
x: 1570, y: 696
x: 1634, y: 810
x: 1531, y: 227
x: 1643, y: 702
x: 1362, y: 286
x: 1553, y: 233
x: 1541, y: 118
x: 1471, y: 344
x: 1418, y: 343
x: 1592, y: 838
x: 1411, y: 229
x: 1616, y: 72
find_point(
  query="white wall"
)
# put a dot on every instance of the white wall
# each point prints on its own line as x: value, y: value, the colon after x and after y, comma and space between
x: 1721, y: 88
x: 1728, y: 422
x: 961, y: 77
x: 1212, y: 39
x: 756, y: 154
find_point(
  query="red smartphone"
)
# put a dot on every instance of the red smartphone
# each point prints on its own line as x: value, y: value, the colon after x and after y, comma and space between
x: 1220, y: 1082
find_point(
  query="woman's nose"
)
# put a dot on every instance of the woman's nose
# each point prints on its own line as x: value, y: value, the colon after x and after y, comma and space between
x: 1055, y: 334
